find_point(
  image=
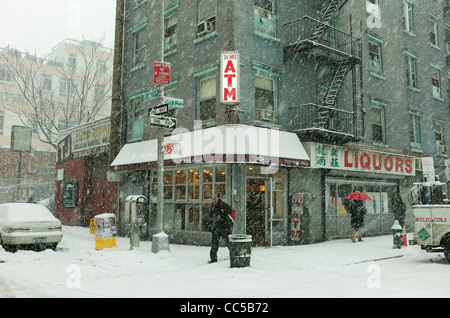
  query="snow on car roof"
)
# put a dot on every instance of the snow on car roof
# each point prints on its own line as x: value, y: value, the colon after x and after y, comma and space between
x: 25, y: 212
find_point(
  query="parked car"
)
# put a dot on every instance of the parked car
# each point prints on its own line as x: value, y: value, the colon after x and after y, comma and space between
x: 28, y: 225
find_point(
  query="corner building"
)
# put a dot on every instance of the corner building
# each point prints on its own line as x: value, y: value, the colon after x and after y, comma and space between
x: 340, y: 96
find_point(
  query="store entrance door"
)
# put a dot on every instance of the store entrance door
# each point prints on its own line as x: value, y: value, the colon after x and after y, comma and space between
x: 258, y: 206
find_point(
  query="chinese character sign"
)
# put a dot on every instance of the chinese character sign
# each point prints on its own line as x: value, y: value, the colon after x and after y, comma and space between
x: 342, y: 158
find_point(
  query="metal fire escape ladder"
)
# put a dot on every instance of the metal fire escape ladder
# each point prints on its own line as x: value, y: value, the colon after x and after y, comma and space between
x: 330, y: 12
x: 330, y: 98
x: 342, y: 70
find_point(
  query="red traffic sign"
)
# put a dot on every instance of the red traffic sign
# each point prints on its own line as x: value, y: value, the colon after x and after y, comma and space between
x: 161, y: 73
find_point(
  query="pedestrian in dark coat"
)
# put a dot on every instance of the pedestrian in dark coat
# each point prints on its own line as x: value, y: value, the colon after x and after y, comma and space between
x: 220, y: 225
x: 357, y: 211
x: 400, y: 210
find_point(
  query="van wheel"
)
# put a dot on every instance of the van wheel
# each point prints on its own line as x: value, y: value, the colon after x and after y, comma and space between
x: 447, y: 253
x: 11, y: 248
x: 446, y: 245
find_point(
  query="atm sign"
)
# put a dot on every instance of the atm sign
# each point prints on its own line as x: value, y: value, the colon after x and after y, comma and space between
x: 229, y: 77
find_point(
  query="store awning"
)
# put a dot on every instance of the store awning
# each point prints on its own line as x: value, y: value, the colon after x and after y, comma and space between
x: 221, y: 144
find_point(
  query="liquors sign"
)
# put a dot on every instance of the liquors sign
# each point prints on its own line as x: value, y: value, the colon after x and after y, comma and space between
x: 343, y: 158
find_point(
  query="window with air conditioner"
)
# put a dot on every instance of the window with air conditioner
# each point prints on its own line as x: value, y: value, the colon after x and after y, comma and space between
x: 264, y: 99
x: 206, y: 22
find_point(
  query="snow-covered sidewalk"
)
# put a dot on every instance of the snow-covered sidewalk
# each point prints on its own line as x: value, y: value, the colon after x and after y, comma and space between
x: 339, y: 268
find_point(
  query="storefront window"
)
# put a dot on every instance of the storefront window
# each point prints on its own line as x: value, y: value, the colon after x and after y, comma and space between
x: 181, y: 188
x: 168, y: 184
x: 382, y: 196
x: 194, y: 187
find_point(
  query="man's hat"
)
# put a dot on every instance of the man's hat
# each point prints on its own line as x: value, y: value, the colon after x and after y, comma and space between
x: 214, y: 196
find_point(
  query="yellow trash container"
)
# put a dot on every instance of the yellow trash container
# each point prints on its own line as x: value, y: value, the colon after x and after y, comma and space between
x: 105, y: 231
x: 92, y: 226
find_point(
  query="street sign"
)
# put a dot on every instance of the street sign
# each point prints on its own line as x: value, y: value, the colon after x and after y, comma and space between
x: 162, y: 109
x: 161, y: 73
x: 173, y: 148
x: 150, y: 95
x: 161, y: 121
x: 174, y: 102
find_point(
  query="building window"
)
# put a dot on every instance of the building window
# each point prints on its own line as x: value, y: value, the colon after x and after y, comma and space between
x: 439, y: 132
x: 447, y: 43
x: 2, y: 121
x: 266, y: 95
x: 72, y: 61
x: 408, y: 16
x: 433, y: 30
x: 206, y: 17
x: 138, y: 44
x: 138, y: 48
x: 101, y: 67
x: 414, y: 130
x: 436, y: 82
x: 207, y: 101
x: 375, y: 55
x: 5, y: 76
x: 63, y: 86
x: 170, y: 33
x: 411, y: 70
x: 264, y: 99
x: 46, y: 82
x: 265, y: 17
x: 378, y: 122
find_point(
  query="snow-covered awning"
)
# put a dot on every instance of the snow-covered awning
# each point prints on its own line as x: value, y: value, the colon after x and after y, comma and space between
x: 221, y: 144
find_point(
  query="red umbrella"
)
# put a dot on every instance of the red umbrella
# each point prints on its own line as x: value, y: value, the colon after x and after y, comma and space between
x: 357, y: 196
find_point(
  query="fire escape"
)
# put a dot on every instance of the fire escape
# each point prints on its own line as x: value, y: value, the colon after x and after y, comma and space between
x: 317, y: 39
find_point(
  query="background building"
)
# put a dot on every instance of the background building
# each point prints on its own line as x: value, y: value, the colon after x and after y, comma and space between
x: 45, y: 94
x: 362, y: 84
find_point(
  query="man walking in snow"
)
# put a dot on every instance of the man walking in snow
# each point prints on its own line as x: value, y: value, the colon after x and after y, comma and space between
x: 357, y: 211
x: 400, y: 210
x: 220, y: 225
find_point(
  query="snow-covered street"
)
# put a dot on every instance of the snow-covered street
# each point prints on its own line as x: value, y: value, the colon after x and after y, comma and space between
x: 339, y: 268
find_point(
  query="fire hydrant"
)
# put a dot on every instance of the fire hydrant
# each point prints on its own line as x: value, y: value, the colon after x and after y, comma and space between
x: 397, y: 234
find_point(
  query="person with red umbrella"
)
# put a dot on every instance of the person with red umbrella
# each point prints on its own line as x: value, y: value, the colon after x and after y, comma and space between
x: 357, y: 212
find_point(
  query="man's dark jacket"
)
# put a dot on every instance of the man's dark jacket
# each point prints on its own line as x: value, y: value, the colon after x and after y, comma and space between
x: 220, y: 218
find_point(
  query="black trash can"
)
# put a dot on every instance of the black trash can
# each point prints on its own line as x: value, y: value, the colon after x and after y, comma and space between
x: 240, y: 246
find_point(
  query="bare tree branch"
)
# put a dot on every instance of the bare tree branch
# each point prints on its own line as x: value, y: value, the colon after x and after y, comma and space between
x: 54, y: 95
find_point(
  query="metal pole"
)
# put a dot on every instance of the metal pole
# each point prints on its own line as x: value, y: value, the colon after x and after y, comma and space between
x: 160, y: 241
x: 19, y: 172
x: 160, y: 189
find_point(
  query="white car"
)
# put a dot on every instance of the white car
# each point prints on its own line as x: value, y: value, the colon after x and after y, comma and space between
x: 28, y: 224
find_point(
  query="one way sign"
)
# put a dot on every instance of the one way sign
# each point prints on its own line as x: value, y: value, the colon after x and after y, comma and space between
x: 159, y: 110
x: 161, y: 121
